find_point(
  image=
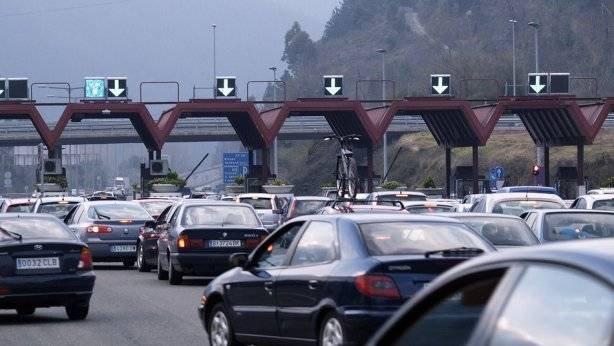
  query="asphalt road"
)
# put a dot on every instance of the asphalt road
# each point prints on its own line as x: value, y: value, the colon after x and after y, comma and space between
x: 127, y: 308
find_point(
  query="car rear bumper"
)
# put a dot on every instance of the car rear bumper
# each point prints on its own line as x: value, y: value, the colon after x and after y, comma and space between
x: 150, y: 251
x: 45, y: 290
x: 201, y: 264
x: 101, y: 250
x: 360, y: 324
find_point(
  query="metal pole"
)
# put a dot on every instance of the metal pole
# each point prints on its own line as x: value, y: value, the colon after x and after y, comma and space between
x: 41, y: 167
x: 385, y: 139
x: 214, y: 67
x: 474, y: 172
x: 539, y: 150
x: 275, y: 167
x: 513, y: 56
x: 448, y: 170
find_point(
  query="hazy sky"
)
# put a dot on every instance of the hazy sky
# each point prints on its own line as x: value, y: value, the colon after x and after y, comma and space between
x: 147, y: 40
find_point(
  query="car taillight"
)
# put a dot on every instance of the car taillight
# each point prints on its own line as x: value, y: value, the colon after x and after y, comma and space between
x: 85, y: 261
x: 184, y: 242
x: 99, y: 229
x: 381, y: 286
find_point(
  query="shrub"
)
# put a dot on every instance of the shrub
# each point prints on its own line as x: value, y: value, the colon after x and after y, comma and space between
x: 391, y: 185
x: 56, y: 179
x: 240, y: 180
x: 608, y: 182
x: 171, y: 178
x: 428, y: 182
x: 279, y: 182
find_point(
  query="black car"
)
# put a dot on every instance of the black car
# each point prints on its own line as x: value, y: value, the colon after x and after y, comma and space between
x: 332, y: 279
x: 147, y: 243
x: 42, y: 264
x: 559, y: 294
x: 110, y: 228
x: 201, y: 234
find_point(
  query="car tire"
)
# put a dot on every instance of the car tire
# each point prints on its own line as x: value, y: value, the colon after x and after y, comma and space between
x: 77, y: 311
x: 220, y: 330
x: 174, y: 277
x: 26, y: 310
x: 162, y: 274
x: 331, y: 331
x: 140, y: 260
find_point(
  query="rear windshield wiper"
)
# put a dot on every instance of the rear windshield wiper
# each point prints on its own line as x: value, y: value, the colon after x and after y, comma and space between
x: 471, y: 251
x: 103, y: 216
x: 13, y: 235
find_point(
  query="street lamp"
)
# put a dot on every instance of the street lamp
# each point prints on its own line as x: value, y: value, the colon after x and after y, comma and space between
x: 385, y: 141
x: 274, y: 69
x: 513, y: 21
x: 213, y: 26
x: 535, y: 26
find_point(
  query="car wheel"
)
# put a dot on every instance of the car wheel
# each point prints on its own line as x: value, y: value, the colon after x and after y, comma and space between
x: 220, y: 331
x: 77, y: 311
x: 140, y: 259
x: 128, y: 264
x: 174, y: 277
x: 162, y: 274
x: 331, y: 331
x: 25, y: 311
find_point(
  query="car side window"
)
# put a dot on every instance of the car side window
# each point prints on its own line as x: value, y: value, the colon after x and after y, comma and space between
x: 91, y: 213
x: 478, y: 206
x: 173, y: 218
x: 317, y: 245
x: 581, y: 204
x: 454, y: 313
x: 530, y: 219
x: 164, y: 214
x: 567, y: 307
x: 275, y: 253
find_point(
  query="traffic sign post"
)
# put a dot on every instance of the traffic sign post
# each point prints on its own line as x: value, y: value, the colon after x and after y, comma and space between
x: 117, y: 87
x: 235, y: 165
x: 17, y: 88
x: 538, y: 83
x: 333, y: 85
x: 440, y: 85
x: 3, y: 92
x: 559, y: 83
x: 94, y: 88
x: 226, y: 86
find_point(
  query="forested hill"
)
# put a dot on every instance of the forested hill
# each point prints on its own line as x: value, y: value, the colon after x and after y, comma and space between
x: 468, y: 38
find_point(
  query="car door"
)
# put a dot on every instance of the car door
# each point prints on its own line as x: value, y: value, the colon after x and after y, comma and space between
x: 251, y: 294
x: 300, y: 287
x: 164, y: 236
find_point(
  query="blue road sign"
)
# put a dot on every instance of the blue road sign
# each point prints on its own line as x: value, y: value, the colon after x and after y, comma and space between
x: 235, y: 164
x: 94, y: 87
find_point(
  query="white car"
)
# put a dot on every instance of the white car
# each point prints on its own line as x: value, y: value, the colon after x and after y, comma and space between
x: 468, y: 202
x: 594, y: 201
x: 269, y: 207
x: 601, y: 191
x: 516, y: 203
x: 403, y: 196
x: 56, y: 206
x: 17, y: 205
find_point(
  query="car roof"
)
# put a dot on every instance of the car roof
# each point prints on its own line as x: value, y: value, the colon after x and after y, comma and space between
x: 594, y: 255
x: 489, y: 215
x: 500, y: 196
x: 398, y: 192
x: 28, y: 216
x: 599, y: 197
x: 429, y: 203
x: 311, y: 198
x: 256, y: 195
x: 368, y: 218
x: 113, y: 201
x: 63, y: 198
x: 145, y: 200
x: 20, y: 200
x: 212, y: 202
x: 571, y: 211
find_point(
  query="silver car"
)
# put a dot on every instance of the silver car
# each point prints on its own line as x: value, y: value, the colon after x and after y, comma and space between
x: 570, y: 224
x: 109, y: 228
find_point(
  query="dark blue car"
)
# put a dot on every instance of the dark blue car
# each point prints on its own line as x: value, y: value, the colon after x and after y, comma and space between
x: 332, y: 279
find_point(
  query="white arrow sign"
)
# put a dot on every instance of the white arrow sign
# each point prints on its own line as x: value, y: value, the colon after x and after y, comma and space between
x: 537, y: 87
x: 333, y: 89
x: 440, y: 88
x: 225, y: 90
x: 1, y: 92
x: 116, y: 91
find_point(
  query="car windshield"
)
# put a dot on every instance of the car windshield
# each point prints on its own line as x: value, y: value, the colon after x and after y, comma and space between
x: 570, y: 226
x: 401, y: 197
x: 219, y: 215
x: 422, y: 209
x: 155, y: 207
x: 408, y: 238
x: 57, y: 209
x: 502, y: 231
x: 517, y: 207
x: 34, y: 228
x: 119, y: 211
x: 604, y: 204
x: 257, y: 203
x: 306, y: 207
x: 20, y: 208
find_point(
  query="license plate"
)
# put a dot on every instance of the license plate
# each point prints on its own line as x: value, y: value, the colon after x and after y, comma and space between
x: 123, y: 248
x: 224, y: 243
x: 38, y: 263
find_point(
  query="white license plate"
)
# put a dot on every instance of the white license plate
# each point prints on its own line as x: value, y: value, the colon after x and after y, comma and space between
x: 224, y: 243
x: 38, y: 263
x: 123, y: 248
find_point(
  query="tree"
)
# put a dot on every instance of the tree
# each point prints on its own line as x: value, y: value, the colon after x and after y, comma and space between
x: 299, y: 49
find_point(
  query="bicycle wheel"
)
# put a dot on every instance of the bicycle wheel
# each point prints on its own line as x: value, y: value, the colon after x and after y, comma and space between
x: 352, y: 178
x: 340, y: 178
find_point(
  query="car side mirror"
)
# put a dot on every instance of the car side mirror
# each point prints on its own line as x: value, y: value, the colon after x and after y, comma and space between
x: 150, y: 224
x: 238, y: 259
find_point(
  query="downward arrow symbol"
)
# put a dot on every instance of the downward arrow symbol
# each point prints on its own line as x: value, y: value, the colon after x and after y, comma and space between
x: 440, y: 88
x: 333, y: 89
x: 116, y: 91
x: 1, y: 92
x: 537, y: 87
x: 225, y: 90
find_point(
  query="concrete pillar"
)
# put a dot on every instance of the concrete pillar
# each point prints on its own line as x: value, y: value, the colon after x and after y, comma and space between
x: 546, y: 165
x: 580, y: 170
x: 476, y: 187
x: 448, y: 170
